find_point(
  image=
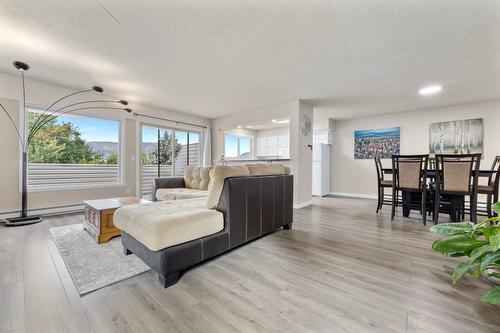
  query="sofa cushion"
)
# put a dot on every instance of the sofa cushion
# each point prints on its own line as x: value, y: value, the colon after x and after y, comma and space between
x: 197, y: 177
x: 217, y: 176
x: 188, y: 176
x: 262, y: 169
x: 179, y: 194
x: 204, y: 177
x: 195, y: 182
x: 159, y: 225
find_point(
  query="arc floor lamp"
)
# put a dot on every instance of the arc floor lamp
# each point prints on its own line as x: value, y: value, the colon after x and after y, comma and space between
x: 59, y: 107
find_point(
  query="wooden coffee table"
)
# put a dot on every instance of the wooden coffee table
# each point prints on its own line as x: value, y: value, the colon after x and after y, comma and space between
x: 99, y: 216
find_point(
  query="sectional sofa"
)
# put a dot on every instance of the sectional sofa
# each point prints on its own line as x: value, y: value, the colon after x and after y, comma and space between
x: 242, y: 203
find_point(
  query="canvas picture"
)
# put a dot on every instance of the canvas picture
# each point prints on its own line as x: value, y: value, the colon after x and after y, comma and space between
x: 382, y: 142
x: 456, y: 137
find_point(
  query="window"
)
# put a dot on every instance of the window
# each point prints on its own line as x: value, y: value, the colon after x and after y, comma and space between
x: 73, y: 151
x: 177, y: 150
x: 237, y: 147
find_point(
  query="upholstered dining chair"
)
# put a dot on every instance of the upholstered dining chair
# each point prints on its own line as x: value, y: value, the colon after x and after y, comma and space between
x: 491, y: 190
x: 457, y: 177
x: 382, y: 184
x: 410, y: 176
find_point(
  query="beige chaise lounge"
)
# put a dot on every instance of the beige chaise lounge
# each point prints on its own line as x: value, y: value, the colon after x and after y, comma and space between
x: 173, y: 235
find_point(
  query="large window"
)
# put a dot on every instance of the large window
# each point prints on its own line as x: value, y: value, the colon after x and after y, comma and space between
x: 237, y: 147
x: 166, y: 152
x: 73, y: 151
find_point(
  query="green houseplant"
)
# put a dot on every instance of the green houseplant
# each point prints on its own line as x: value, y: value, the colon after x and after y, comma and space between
x: 480, y: 243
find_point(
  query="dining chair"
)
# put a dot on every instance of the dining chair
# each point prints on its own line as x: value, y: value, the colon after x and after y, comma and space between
x: 409, y: 177
x: 382, y: 184
x: 456, y: 177
x: 432, y: 163
x: 491, y: 190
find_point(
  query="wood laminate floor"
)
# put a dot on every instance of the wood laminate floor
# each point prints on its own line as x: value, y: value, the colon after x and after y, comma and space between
x: 341, y: 268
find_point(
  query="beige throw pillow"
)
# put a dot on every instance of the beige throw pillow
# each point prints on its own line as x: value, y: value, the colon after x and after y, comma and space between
x: 188, y: 177
x: 217, y: 176
x: 204, y: 177
x: 195, y: 183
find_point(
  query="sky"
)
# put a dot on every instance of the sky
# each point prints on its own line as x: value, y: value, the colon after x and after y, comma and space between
x: 93, y: 129
x: 376, y: 132
x: 231, y: 145
x: 150, y: 134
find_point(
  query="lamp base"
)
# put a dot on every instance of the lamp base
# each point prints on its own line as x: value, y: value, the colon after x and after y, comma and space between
x: 19, y: 221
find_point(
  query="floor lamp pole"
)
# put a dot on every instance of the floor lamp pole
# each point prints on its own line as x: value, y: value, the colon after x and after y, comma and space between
x: 24, y: 196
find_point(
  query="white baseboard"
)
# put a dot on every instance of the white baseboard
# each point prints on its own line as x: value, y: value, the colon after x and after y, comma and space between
x: 303, y: 204
x: 47, y: 211
x: 354, y: 195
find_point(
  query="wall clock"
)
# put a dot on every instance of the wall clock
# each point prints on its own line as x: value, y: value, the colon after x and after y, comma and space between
x: 305, y: 125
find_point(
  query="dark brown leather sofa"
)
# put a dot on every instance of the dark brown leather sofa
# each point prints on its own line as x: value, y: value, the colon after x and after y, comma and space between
x: 252, y: 206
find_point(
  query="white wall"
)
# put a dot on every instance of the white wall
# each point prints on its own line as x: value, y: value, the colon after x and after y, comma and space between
x: 299, y: 148
x: 274, y: 131
x: 41, y: 93
x: 358, y: 177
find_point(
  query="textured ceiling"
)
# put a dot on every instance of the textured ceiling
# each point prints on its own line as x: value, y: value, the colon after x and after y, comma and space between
x: 211, y: 58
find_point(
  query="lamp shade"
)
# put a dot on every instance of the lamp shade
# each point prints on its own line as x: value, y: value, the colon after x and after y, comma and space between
x: 97, y: 89
x: 22, y: 66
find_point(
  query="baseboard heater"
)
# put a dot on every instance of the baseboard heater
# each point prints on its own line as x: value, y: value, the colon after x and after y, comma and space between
x: 47, y: 211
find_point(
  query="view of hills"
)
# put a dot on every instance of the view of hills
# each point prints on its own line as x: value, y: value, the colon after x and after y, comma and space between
x: 106, y: 148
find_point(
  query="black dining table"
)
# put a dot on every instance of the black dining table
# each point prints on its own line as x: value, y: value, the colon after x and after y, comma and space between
x: 431, y: 173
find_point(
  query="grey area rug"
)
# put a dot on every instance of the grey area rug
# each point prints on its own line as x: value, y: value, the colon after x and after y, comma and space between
x: 93, y: 266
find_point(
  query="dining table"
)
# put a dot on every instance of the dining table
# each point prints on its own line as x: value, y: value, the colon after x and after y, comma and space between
x: 431, y: 173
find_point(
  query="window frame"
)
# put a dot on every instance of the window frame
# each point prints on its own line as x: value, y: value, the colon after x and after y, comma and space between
x: 251, y: 138
x: 73, y: 186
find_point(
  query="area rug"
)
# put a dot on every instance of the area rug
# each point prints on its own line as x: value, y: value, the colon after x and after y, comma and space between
x: 93, y: 266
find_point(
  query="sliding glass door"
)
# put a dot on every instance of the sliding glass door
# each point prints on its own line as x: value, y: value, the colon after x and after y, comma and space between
x: 188, y: 152
x: 166, y: 152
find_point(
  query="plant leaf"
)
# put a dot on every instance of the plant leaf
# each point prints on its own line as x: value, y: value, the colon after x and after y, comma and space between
x: 488, y: 260
x: 452, y: 228
x: 479, y: 226
x: 493, y: 274
x: 475, y: 271
x: 479, y: 252
x: 492, y: 296
x: 487, y: 233
x: 459, y: 272
x: 496, y: 208
x: 495, y: 238
x: 457, y: 244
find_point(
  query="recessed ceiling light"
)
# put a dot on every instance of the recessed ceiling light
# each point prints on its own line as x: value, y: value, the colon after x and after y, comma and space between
x: 274, y: 121
x: 239, y: 126
x: 430, y: 90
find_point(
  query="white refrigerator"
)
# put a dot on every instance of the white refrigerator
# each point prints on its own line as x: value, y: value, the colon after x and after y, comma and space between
x: 321, y: 169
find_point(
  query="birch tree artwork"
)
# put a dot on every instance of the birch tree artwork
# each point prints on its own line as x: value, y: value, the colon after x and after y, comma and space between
x: 456, y: 137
